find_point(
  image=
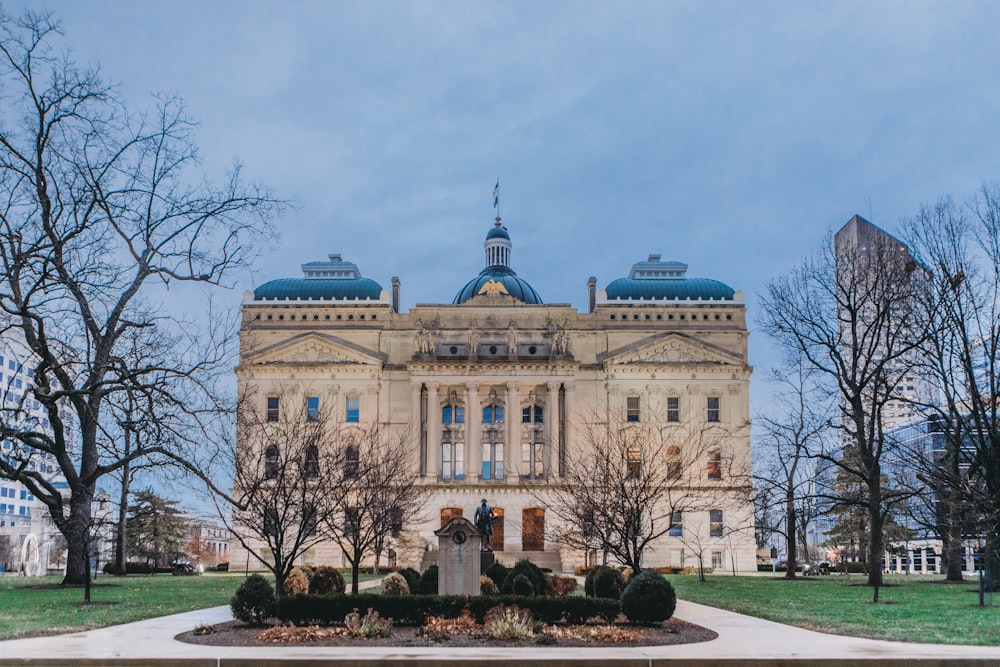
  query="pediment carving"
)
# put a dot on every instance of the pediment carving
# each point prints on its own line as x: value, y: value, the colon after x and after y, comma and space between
x: 315, y: 349
x: 672, y: 350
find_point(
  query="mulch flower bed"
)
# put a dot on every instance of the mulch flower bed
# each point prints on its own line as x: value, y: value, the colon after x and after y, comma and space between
x: 450, y: 632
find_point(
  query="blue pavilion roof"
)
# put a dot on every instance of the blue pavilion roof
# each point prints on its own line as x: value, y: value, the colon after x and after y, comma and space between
x: 515, y: 286
x: 318, y: 288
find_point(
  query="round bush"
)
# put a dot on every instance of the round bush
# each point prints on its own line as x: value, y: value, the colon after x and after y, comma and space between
x: 498, y: 573
x: 487, y: 586
x: 588, y: 581
x: 326, y: 581
x: 531, y: 571
x: 412, y: 578
x: 521, y: 585
x: 608, y: 583
x: 429, y: 581
x: 649, y: 598
x: 394, y: 584
x: 297, y: 581
x: 254, y: 600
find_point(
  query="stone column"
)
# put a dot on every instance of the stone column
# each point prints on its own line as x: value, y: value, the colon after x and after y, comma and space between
x: 421, y: 456
x: 570, y: 413
x: 512, y: 446
x: 473, y: 431
x: 433, y: 430
x: 552, y: 437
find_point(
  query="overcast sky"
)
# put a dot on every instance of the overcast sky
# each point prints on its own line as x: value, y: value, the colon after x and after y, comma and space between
x: 727, y: 135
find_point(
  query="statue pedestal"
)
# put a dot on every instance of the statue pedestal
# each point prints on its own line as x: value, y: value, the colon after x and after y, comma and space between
x: 486, y: 559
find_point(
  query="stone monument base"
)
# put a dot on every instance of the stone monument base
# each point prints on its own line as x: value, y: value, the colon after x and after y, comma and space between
x: 486, y: 558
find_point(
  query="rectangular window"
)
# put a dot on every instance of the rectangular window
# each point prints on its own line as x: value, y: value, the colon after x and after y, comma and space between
x: 272, y: 408
x: 531, y: 460
x: 673, y: 409
x: 312, y: 408
x: 632, y: 408
x: 715, y: 523
x: 715, y: 464
x: 716, y: 560
x: 492, y: 460
x: 676, y: 524
x: 353, y: 408
x: 452, y: 460
x: 352, y: 520
x: 713, y: 409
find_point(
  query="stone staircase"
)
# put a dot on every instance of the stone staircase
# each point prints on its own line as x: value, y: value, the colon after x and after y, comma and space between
x: 547, y: 560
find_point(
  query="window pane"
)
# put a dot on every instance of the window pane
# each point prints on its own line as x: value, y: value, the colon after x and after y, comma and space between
x: 715, y: 523
x: 459, y: 460
x: 498, y: 414
x: 713, y: 408
x: 673, y: 409
x: 715, y: 465
x: 498, y: 448
x: 353, y: 404
x: 446, y: 465
x: 632, y: 408
x: 676, y: 524
x: 446, y: 414
x: 272, y: 408
x: 538, y: 414
x: 487, y: 462
x: 312, y: 408
x: 459, y: 415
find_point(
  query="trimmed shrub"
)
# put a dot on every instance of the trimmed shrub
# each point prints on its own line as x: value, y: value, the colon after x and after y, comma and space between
x: 303, y: 610
x: 297, y: 581
x: 412, y: 579
x: 498, y: 573
x: 649, y: 598
x: 588, y: 581
x: 327, y: 581
x: 521, y: 585
x: 254, y: 600
x: 532, y: 573
x: 429, y: 581
x: 558, y: 585
x: 607, y: 583
x: 486, y: 586
x: 394, y: 584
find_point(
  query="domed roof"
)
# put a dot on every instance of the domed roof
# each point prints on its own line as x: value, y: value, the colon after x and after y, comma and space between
x: 497, y: 232
x: 515, y: 286
x: 670, y: 289
x: 318, y: 288
x: 654, y: 279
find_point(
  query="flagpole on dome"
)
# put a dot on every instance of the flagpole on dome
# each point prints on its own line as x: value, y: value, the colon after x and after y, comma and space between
x: 496, y: 200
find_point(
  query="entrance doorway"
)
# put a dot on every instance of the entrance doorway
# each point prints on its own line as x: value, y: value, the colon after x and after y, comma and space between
x: 533, y: 529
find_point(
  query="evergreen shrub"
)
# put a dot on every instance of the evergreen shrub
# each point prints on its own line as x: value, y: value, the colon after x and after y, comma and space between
x: 412, y: 579
x: 606, y: 582
x: 327, y: 581
x: 395, y: 584
x: 532, y: 572
x: 254, y: 600
x: 429, y: 581
x: 649, y: 598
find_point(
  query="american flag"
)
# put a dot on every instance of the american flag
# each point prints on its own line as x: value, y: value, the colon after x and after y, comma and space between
x: 496, y: 194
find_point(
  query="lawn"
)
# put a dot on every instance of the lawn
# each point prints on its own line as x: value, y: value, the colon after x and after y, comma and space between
x: 38, y: 606
x: 912, y: 608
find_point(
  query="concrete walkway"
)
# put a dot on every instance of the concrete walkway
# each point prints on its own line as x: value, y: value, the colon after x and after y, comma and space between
x: 742, y: 640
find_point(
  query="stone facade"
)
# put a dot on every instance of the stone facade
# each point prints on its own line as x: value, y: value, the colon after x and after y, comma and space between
x: 446, y: 373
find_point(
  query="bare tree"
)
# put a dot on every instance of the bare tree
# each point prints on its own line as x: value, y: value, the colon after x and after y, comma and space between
x: 787, y: 471
x: 629, y: 483
x: 99, y: 215
x: 286, y: 486
x: 852, y: 313
x: 961, y: 247
x: 378, y: 494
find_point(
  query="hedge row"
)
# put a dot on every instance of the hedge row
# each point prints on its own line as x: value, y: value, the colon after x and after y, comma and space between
x: 414, y: 609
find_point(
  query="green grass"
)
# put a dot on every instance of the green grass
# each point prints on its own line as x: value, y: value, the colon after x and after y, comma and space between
x: 913, y: 608
x: 38, y: 606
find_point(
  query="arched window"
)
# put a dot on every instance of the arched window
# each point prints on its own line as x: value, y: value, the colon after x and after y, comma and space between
x: 532, y: 442
x: 715, y: 464
x: 493, y: 437
x: 310, y: 466
x: 352, y: 457
x: 452, y: 439
x: 674, y: 462
x: 271, y: 462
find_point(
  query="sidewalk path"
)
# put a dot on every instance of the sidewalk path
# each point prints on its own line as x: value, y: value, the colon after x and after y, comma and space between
x: 742, y: 639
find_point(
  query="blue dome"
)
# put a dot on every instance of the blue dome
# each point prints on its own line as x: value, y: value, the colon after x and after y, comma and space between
x: 669, y: 288
x: 497, y: 233
x: 516, y: 287
x: 316, y: 288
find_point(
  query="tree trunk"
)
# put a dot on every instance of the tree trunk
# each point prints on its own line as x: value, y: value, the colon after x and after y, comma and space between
x: 875, y: 544
x: 953, y: 540
x: 355, y: 569
x: 120, y: 556
x: 77, y: 534
x: 790, y: 542
x: 991, y: 577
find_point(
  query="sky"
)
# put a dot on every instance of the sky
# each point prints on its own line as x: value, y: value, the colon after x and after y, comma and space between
x: 727, y: 135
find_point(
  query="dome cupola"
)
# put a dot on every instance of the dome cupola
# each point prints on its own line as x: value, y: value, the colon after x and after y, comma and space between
x: 655, y: 280
x: 498, y: 278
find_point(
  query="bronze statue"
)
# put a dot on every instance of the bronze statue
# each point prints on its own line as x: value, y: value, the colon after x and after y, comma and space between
x: 484, y: 520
